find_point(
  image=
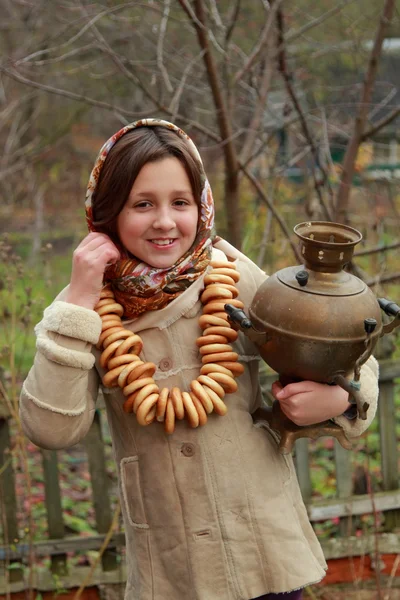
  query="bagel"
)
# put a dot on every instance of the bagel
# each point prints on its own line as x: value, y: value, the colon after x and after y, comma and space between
x: 220, y: 357
x: 162, y: 405
x: 108, y: 300
x: 144, y: 392
x: 200, y: 409
x: 202, y: 396
x: 108, y: 332
x: 229, y: 272
x: 206, y: 321
x: 120, y: 334
x: 133, y: 342
x: 236, y: 368
x: 142, y: 369
x: 146, y: 412
x: 191, y: 412
x: 215, y: 348
x: 131, y: 388
x: 110, y: 323
x: 169, y: 421
x: 106, y: 294
x: 230, y: 288
x: 128, y: 368
x: 219, y: 305
x: 213, y: 278
x: 110, y: 317
x: 210, y: 339
x: 215, y: 368
x: 124, y: 359
x: 224, y: 330
x: 211, y: 383
x: 176, y: 397
x: 108, y: 352
x: 110, y: 379
x: 226, y: 381
x: 111, y: 308
x: 221, y: 315
x: 219, y: 405
x: 217, y: 264
x: 212, y: 292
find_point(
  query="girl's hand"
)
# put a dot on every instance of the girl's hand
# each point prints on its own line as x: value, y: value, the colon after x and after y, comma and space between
x: 89, y: 262
x: 307, y: 402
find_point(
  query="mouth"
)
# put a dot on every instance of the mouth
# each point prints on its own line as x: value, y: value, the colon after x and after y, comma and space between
x: 163, y: 242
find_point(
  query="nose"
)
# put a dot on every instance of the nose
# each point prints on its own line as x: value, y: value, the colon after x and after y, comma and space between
x: 164, y: 219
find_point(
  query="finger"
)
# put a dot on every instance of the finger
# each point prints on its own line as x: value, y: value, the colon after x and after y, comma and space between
x: 94, y: 236
x: 97, y: 242
x: 276, y: 387
x: 297, y: 388
x: 96, y: 254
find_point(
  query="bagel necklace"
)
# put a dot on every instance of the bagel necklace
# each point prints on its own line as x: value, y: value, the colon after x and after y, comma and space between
x: 120, y: 349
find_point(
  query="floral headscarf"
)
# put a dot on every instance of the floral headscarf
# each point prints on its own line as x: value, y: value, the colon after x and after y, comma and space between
x: 138, y: 286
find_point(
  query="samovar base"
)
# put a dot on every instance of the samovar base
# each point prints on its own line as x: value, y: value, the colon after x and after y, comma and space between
x: 290, y: 432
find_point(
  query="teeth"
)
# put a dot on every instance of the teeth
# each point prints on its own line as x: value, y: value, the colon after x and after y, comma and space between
x: 162, y: 242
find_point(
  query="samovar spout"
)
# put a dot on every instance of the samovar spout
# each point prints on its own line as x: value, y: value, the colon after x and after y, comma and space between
x: 239, y: 318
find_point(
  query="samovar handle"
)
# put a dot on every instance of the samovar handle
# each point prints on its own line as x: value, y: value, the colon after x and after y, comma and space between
x: 290, y: 432
x: 391, y: 309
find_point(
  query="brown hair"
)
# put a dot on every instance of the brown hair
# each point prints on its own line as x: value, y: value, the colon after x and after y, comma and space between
x: 123, y: 164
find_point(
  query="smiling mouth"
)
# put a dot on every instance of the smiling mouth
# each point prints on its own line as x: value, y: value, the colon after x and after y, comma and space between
x: 163, y: 242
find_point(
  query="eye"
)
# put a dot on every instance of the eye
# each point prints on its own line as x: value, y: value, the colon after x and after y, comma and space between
x: 142, y: 204
x: 182, y: 202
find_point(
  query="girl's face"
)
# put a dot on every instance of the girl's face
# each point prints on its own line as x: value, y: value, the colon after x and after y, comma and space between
x: 158, y: 223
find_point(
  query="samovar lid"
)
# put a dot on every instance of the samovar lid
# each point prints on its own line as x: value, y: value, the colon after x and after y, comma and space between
x: 321, y: 283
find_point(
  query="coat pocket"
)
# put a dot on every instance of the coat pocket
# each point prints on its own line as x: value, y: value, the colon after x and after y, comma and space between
x: 132, y: 493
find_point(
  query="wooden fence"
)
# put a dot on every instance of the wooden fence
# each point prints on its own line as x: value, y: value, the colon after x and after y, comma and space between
x: 58, y: 546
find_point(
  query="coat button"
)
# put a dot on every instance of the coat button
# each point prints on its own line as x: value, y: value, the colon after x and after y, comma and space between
x: 165, y: 364
x: 188, y: 450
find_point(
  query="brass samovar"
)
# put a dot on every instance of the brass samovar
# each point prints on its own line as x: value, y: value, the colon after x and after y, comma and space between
x: 316, y: 322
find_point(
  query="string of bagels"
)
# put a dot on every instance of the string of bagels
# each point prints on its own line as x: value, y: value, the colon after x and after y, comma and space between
x: 120, y: 350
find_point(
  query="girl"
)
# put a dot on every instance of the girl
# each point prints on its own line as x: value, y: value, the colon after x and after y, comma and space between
x: 212, y: 511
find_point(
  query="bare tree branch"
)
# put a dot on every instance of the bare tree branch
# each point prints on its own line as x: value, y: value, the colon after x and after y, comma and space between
x: 377, y: 249
x: 307, y: 134
x: 383, y: 279
x: 361, y: 118
x: 174, y: 105
x: 290, y: 37
x: 160, y: 44
x: 263, y: 196
x: 224, y: 124
x: 67, y: 94
x: 381, y: 124
x: 216, y: 16
x: 260, y: 44
x: 75, y: 37
x: 232, y: 22
x: 258, y: 114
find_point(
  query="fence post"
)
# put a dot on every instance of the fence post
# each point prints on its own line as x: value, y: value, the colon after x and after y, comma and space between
x: 388, y: 441
x: 302, y: 462
x: 8, y: 502
x: 54, y: 510
x: 343, y: 483
x: 100, y: 486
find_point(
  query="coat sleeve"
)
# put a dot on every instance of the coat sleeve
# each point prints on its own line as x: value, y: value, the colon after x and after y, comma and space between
x: 58, y: 397
x: 369, y: 379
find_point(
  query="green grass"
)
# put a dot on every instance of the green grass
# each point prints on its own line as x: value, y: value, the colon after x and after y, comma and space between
x: 25, y: 291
